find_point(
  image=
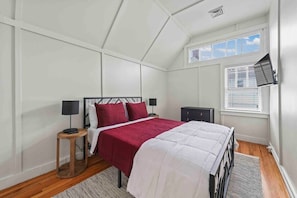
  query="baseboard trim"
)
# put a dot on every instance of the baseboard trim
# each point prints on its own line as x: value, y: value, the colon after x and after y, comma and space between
x: 288, y: 182
x: 251, y: 139
x: 12, y: 180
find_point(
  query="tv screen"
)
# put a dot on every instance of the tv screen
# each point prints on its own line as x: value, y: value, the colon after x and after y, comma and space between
x: 264, y: 72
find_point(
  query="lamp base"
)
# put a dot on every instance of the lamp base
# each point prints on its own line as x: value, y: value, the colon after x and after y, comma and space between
x: 70, y: 130
x: 152, y: 114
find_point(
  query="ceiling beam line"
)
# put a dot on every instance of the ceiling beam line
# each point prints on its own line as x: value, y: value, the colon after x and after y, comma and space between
x: 174, y: 19
x: 187, y: 7
x: 156, y: 37
x: 112, y: 24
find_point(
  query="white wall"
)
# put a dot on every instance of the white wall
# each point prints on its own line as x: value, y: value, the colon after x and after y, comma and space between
x: 202, y: 85
x: 182, y: 91
x: 42, y: 63
x: 154, y: 85
x: 288, y: 93
x: 274, y: 91
x: 7, y: 149
x: 283, y: 112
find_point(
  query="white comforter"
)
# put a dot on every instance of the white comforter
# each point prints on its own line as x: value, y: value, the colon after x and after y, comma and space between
x: 177, y: 163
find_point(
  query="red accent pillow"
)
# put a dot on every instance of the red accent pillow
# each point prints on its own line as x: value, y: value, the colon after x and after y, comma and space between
x: 136, y: 110
x: 110, y: 114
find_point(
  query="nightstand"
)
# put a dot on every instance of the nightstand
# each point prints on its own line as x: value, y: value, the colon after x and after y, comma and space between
x: 154, y: 115
x: 74, y: 167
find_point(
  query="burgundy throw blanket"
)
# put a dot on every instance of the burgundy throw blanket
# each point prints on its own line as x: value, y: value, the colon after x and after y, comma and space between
x: 119, y: 145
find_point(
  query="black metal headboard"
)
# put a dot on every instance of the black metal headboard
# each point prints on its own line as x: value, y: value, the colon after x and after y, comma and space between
x: 104, y: 100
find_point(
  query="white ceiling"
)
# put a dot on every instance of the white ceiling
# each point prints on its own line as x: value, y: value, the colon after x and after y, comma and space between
x: 197, y: 20
x: 153, y: 31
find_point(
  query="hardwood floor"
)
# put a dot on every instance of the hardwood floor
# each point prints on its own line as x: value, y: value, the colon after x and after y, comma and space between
x: 48, y: 184
x: 272, y: 181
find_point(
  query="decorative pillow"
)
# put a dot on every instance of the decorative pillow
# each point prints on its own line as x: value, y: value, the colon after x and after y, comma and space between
x: 136, y: 110
x: 93, y: 116
x: 110, y: 114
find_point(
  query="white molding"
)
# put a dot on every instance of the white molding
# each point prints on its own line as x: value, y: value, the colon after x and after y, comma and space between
x: 11, y: 180
x: 60, y: 37
x: 173, y: 18
x: 245, y: 114
x: 154, y: 67
x: 50, y: 34
x: 279, y: 76
x: 226, y: 36
x: 290, y: 187
x: 17, y: 92
x: 112, y: 24
x: 156, y: 37
x: 123, y: 57
x: 7, y: 21
x: 141, y: 78
x: 187, y: 7
x: 252, y: 139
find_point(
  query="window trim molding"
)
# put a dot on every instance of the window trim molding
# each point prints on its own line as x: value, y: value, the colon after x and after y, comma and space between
x: 262, y: 29
x: 253, y: 114
x: 263, y: 96
x: 260, y: 106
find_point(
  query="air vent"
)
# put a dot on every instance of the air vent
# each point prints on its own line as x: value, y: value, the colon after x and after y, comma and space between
x: 216, y: 12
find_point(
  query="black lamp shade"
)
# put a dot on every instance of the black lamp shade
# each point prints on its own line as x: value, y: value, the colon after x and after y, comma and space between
x: 70, y: 107
x: 153, y: 101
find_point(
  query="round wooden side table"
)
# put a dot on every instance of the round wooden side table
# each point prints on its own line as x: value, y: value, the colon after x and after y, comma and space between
x: 74, y: 167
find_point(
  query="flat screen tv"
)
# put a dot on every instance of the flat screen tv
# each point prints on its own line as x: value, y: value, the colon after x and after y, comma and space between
x: 264, y: 72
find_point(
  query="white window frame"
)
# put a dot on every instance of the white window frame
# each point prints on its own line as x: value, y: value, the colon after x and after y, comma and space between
x: 239, y: 34
x: 225, y: 106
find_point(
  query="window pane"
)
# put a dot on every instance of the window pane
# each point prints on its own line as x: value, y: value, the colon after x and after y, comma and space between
x: 205, y: 53
x: 252, y: 78
x: 193, y: 55
x: 231, y: 48
x: 240, y: 43
x: 219, y: 50
x: 243, y: 98
x: 241, y: 91
x: 251, y: 44
x: 231, y: 78
x: 241, y: 79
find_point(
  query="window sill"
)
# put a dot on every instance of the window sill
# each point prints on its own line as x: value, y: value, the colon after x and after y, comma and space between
x: 253, y: 114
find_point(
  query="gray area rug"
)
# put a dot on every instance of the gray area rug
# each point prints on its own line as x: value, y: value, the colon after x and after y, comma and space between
x: 245, y: 182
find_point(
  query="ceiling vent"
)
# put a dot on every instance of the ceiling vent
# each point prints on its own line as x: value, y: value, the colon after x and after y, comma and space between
x: 216, y: 12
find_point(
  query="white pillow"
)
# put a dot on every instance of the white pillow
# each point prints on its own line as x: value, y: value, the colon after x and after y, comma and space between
x: 125, y: 109
x: 93, y: 116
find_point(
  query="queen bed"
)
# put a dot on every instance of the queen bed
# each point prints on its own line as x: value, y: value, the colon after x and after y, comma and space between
x: 161, y: 157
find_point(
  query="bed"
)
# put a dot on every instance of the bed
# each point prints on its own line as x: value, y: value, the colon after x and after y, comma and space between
x: 126, y: 145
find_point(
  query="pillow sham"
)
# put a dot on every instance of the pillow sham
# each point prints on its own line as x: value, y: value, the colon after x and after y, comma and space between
x: 93, y: 116
x: 136, y: 110
x: 110, y: 114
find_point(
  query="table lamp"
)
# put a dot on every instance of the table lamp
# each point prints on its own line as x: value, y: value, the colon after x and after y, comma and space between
x: 152, y: 102
x: 70, y: 107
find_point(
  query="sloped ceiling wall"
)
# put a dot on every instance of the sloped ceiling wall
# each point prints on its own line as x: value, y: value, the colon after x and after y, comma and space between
x: 141, y: 30
x: 150, y: 31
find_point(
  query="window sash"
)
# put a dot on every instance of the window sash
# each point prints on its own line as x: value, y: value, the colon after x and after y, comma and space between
x: 226, y: 48
x: 241, y: 92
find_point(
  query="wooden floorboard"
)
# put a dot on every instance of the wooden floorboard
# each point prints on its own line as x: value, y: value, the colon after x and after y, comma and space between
x: 48, y: 185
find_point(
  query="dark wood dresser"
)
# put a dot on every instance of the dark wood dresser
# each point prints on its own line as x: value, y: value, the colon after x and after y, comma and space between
x: 197, y: 113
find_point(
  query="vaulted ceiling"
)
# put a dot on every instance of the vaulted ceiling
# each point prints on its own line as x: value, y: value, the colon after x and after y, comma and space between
x: 153, y: 31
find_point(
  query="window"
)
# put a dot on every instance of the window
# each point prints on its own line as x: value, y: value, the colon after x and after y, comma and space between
x: 225, y: 48
x: 241, y: 91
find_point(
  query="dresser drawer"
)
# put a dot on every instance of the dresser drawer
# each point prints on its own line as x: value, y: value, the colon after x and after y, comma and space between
x: 198, y: 114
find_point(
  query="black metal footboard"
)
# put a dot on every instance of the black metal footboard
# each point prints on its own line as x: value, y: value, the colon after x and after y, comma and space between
x: 221, y: 171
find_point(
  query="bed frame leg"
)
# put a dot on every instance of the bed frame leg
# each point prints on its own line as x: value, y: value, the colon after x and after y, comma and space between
x: 119, y: 178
